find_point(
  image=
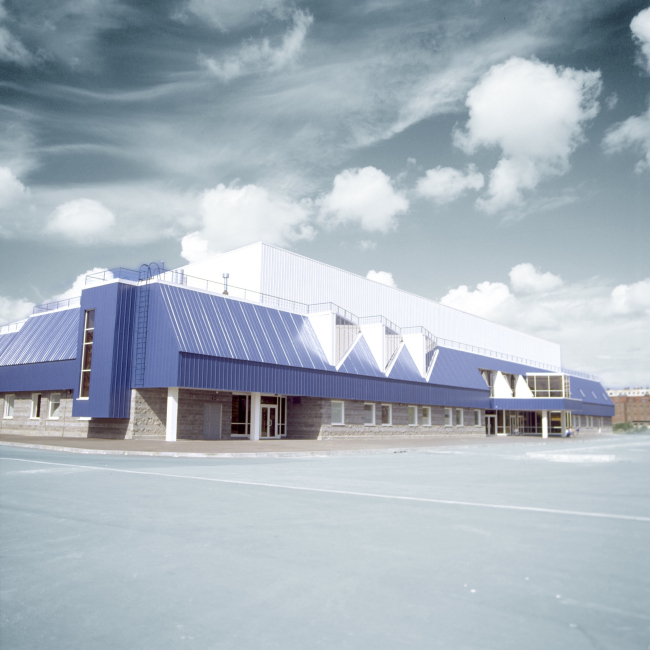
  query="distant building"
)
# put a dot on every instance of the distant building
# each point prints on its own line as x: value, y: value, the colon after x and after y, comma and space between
x: 632, y: 406
x: 261, y: 343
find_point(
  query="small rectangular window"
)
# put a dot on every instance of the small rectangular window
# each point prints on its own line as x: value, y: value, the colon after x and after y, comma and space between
x: 386, y: 415
x: 35, y: 413
x: 369, y: 414
x: 9, y: 407
x: 338, y: 413
x: 413, y: 416
x: 426, y: 416
x: 477, y: 417
x: 459, y: 417
x: 55, y: 406
x: 447, y: 417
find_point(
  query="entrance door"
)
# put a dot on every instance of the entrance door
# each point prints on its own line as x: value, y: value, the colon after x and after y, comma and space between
x: 269, y: 421
x: 212, y: 421
x: 490, y: 425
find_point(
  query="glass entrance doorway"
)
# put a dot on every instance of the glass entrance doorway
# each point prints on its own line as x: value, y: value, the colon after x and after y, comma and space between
x: 490, y: 425
x: 269, y: 421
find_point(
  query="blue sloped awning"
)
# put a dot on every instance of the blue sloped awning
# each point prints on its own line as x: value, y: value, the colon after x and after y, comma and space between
x: 404, y: 367
x: 360, y: 361
x: 48, y: 337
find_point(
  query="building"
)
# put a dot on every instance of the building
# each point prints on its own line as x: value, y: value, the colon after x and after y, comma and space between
x: 263, y: 343
x: 632, y: 406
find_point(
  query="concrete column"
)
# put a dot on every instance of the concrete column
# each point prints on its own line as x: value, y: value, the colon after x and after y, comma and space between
x: 256, y: 415
x: 172, y: 414
x: 544, y: 424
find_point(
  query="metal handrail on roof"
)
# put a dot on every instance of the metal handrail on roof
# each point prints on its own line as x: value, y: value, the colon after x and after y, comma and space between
x: 331, y: 307
x: 57, y: 304
x: 373, y: 320
x: 12, y: 327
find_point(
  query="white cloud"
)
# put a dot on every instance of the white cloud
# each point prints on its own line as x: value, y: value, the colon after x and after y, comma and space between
x: 445, y: 184
x: 235, y: 216
x: 11, y: 49
x: 632, y: 298
x: 487, y: 300
x: 633, y: 133
x: 254, y: 57
x: 82, y: 221
x: 13, y: 309
x: 535, y: 113
x: 11, y: 189
x: 383, y: 277
x: 527, y: 279
x: 226, y: 15
x: 640, y: 27
x: 78, y: 285
x: 365, y: 196
x: 602, y: 329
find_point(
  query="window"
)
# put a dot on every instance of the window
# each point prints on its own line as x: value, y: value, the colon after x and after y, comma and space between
x: 55, y: 406
x: 426, y: 416
x: 87, y: 354
x: 459, y: 417
x: 282, y: 416
x: 477, y: 417
x: 413, y: 416
x: 36, y: 406
x: 241, y: 415
x: 386, y: 415
x: 447, y: 417
x: 9, y: 407
x: 369, y: 415
x: 338, y: 413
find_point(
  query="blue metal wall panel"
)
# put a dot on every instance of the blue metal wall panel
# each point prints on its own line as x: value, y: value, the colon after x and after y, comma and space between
x: 457, y: 368
x: 360, y: 361
x: 197, y: 371
x: 404, y: 367
x: 217, y: 326
x: 53, y: 375
x: 552, y: 404
x: 50, y: 337
x: 109, y: 395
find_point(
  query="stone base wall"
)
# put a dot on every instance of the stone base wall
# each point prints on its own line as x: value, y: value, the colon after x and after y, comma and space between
x: 190, y: 412
x: 23, y: 425
x: 148, y: 416
x: 306, y: 416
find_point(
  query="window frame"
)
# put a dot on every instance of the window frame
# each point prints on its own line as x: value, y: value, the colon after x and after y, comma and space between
x: 87, y: 344
x: 35, y: 410
x: 461, y: 418
x: 50, y: 416
x: 342, y: 422
x: 247, y: 416
x: 426, y: 421
x: 10, y: 398
x: 390, y: 415
x: 477, y: 417
x: 374, y: 414
x: 448, y: 417
x: 413, y: 409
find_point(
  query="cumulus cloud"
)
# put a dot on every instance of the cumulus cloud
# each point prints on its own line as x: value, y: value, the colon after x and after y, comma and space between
x: 383, y: 277
x: 365, y: 196
x: 82, y: 221
x: 633, y: 133
x: 446, y: 184
x: 535, y: 113
x: 640, y: 27
x: 526, y: 278
x: 11, y: 189
x: 14, y: 309
x: 487, y: 300
x: 235, y: 216
x: 254, y: 57
x: 78, y: 285
x: 602, y: 329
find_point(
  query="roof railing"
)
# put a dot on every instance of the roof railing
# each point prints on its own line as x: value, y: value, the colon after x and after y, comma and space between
x: 57, y: 304
x: 373, y: 320
x: 331, y: 307
x: 12, y: 327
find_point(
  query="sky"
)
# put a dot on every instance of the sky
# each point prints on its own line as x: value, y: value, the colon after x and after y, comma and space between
x: 491, y: 156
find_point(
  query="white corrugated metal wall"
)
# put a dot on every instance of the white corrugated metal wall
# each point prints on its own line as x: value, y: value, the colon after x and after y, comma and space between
x: 298, y: 278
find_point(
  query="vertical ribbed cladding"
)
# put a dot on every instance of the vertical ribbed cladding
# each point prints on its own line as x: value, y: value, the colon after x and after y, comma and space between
x: 197, y: 371
x: 120, y: 404
x: 298, y: 278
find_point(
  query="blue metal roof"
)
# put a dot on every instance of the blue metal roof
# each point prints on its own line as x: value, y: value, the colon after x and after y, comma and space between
x: 50, y: 337
x: 589, y: 391
x: 404, y: 367
x: 217, y: 326
x: 5, y: 340
x: 457, y: 368
x: 360, y: 361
